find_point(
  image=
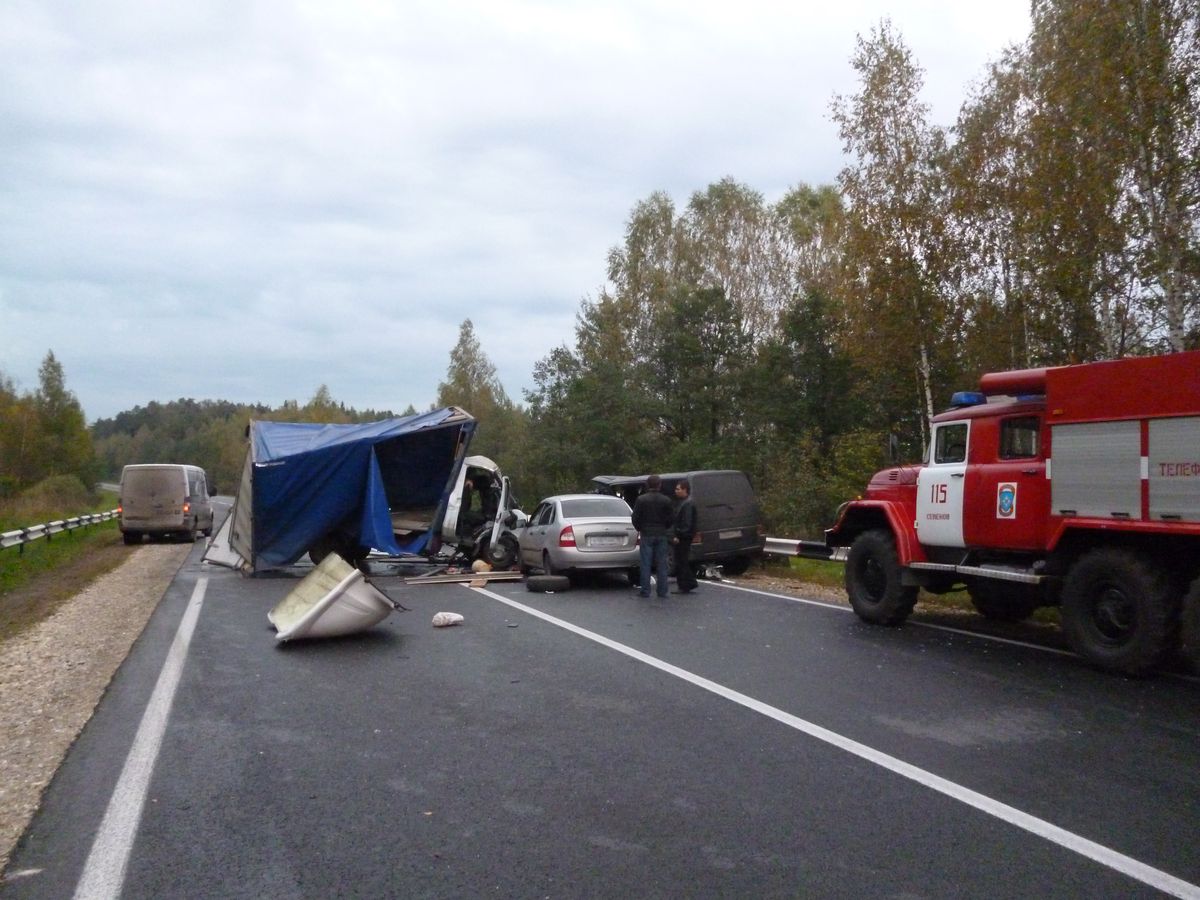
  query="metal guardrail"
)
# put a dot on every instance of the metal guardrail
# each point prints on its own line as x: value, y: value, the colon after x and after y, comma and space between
x: 23, y: 536
x: 807, y: 549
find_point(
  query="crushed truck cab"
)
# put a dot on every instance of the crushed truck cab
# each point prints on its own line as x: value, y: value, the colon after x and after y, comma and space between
x: 1074, y: 486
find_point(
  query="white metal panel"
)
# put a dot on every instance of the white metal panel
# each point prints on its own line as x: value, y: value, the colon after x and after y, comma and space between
x: 1174, y: 469
x: 1097, y: 469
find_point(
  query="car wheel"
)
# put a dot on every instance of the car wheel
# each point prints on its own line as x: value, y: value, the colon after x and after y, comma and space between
x: 547, y: 583
x: 547, y: 566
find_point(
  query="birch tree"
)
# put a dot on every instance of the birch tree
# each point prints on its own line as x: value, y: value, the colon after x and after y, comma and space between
x: 893, y: 190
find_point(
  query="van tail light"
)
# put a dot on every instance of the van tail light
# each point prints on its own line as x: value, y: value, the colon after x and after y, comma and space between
x: 120, y: 509
x: 187, y: 507
x: 697, y: 538
x: 566, y: 537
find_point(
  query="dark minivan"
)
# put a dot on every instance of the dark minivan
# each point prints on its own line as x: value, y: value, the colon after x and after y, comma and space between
x: 729, y: 526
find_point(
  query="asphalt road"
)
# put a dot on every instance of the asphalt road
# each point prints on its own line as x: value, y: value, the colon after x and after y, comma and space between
x: 592, y: 744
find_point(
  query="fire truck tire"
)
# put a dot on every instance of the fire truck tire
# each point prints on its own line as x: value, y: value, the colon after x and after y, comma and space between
x: 1120, y: 612
x: 1003, y: 601
x: 873, y: 580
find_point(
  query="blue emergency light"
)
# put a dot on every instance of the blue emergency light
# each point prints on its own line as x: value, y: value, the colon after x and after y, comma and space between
x: 967, y: 398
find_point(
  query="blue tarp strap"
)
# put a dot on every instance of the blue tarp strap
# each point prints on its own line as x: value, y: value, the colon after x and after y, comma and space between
x: 375, y: 529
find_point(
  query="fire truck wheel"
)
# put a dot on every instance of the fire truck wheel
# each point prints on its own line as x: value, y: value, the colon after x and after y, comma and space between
x: 1119, y: 611
x: 1003, y: 601
x: 873, y: 580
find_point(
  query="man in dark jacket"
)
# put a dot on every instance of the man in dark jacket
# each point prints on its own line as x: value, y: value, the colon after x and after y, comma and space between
x: 653, y: 517
x: 685, y: 530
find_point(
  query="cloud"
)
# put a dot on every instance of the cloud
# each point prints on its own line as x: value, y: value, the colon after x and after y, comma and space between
x: 320, y: 193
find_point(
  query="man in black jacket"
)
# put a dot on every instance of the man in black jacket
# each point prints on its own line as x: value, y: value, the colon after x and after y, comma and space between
x: 653, y: 517
x: 685, y: 530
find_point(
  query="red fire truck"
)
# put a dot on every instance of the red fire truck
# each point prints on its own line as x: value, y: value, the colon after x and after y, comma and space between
x: 1076, y: 486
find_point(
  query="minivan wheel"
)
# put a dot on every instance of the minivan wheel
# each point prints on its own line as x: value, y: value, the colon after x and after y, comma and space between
x: 735, y: 565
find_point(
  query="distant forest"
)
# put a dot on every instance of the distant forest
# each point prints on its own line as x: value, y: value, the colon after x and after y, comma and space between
x: 1057, y: 221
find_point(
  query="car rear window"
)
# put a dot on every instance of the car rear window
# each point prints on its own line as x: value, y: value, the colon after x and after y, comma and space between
x: 155, y: 481
x: 595, y: 507
x: 724, y: 489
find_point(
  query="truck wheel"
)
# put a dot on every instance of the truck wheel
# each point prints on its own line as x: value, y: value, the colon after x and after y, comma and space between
x: 503, y: 553
x: 873, y: 580
x: 132, y: 537
x: 323, y: 546
x: 1120, y: 612
x: 1003, y: 601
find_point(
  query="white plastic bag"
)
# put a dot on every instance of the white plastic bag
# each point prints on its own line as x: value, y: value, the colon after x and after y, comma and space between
x: 445, y: 619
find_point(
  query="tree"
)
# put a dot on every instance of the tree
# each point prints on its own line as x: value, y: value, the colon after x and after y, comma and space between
x: 323, y: 408
x: 65, y: 443
x: 696, y: 377
x: 471, y: 383
x: 894, y: 193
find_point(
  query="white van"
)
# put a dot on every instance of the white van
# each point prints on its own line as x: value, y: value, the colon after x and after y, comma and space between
x: 164, y: 499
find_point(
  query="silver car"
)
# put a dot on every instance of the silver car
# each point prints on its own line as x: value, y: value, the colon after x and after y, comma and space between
x: 569, y: 532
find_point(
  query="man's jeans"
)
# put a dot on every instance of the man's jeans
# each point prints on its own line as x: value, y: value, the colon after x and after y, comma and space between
x: 654, y: 550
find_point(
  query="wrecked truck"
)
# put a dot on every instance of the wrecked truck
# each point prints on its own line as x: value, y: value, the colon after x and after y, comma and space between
x: 394, y: 486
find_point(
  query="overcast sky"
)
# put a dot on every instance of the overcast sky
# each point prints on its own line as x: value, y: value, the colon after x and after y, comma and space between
x: 245, y: 200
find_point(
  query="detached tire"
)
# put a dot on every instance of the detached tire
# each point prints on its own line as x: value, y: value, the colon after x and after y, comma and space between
x: 873, y: 580
x: 1119, y: 611
x: 1003, y: 601
x: 547, y: 583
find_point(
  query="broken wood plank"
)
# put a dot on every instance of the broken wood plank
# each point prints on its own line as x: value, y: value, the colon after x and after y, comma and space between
x: 465, y: 577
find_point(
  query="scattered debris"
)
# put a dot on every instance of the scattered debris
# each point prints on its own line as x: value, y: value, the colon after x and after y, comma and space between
x: 332, y: 600
x: 446, y: 619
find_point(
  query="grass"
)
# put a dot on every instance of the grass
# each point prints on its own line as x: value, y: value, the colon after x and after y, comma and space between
x: 816, y: 571
x: 832, y: 574
x: 36, y: 578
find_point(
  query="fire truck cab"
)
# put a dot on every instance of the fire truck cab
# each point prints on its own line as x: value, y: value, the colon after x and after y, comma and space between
x: 1075, y: 486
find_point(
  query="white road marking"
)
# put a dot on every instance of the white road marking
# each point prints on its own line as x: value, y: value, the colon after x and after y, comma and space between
x: 1175, y: 676
x: 1106, y: 856
x: 104, y: 871
x: 930, y: 625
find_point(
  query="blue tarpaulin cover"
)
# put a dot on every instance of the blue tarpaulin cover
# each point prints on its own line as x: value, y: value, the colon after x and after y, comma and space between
x: 308, y: 480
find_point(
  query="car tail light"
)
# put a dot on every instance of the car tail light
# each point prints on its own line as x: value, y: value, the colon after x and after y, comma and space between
x: 697, y: 538
x: 187, y: 507
x: 566, y: 537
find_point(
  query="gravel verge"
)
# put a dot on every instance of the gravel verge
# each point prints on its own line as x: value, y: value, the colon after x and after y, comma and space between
x: 53, y: 675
